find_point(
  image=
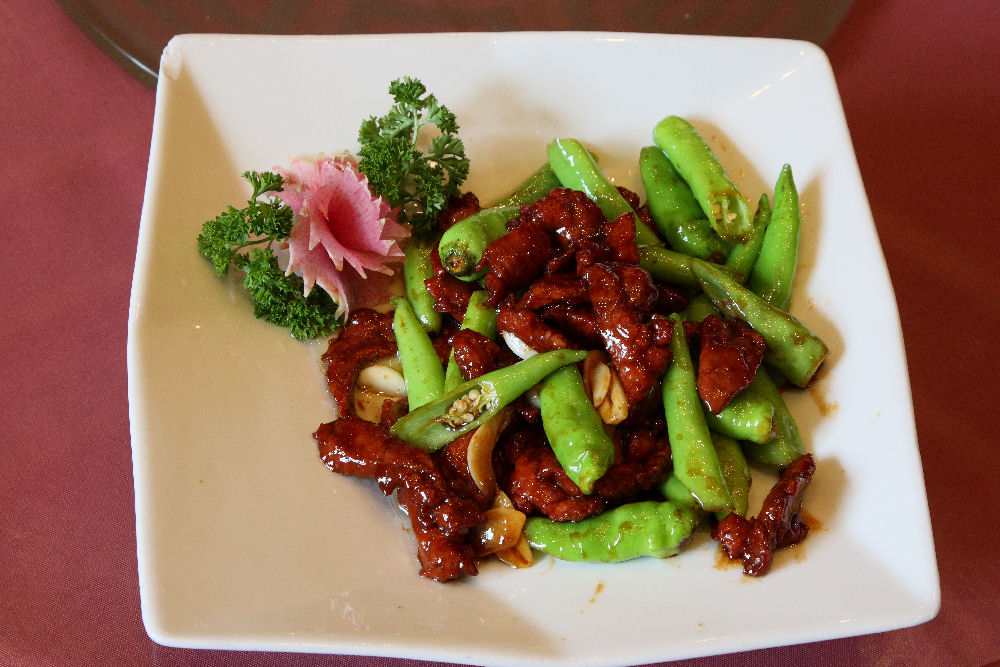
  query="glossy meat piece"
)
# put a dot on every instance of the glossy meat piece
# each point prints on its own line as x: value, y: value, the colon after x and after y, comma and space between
x: 442, y: 340
x: 475, y: 354
x: 535, y: 482
x: 453, y: 462
x: 391, y: 411
x: 631, y: 198
x: 732, y: 534
x: 440, y: 517
x: 640, y: 461
x: 631, y: 343
x: 645, y: 216
x: 529, y: 327
x: 515, y: 260
x: 619, y: 235
x: 563, y: 288
x: 366, y: 338
x: 577, y: 322
x: 642, y: 292
x: 459, y: 208
x: 779, y: 523
x: 669, y: 300
x: 729, y: 356
x: 590, y: 252
x: 451, y: 295
x: 568, y: 214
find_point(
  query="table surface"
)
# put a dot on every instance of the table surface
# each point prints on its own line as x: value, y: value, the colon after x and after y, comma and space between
x: 920, y: 83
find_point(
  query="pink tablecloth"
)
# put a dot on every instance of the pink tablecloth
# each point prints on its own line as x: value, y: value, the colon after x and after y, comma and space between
x: 920, y: 81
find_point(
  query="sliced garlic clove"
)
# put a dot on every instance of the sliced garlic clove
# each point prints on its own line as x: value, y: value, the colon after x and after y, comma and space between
x: 519, y: 555
x: 600, y: 383
x: 618, y: 401
x: 501, y: 529
x: 479, y: 456
x: 605, y: 388
x: 517, y: 346
x: 382, y: 379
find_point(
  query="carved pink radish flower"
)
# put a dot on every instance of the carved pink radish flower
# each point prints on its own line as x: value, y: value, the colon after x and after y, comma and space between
x: 344, y: 239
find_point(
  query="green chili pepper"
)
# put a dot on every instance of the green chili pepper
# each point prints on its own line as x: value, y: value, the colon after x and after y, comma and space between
x: 480, y: 319
x: 463, y: 244
x: 674, y: 209
x: 647, y: 528
x: 670, y: 266
x: 723, y: 204
x: 416, y: 270
x: 699, y: 307
x: 742, y: 256
x: 667, y: 266
x: 674, y: 490
x: 786, y: 446
x: 695, y: 462
x: 577, y: 169
x: 434, y: 425
x: 774, y: 271
x: 531, y: 190
x: 735, y: 470
x: 422, y: 370
x: 748, y: 416
x: 574, y: 429
x: 792, y: 347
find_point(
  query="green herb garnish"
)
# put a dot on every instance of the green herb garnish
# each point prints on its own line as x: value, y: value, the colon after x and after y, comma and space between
x: 419, y: 184
x: 242, y: 237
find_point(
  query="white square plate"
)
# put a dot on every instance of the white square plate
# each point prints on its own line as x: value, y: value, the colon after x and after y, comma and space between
x: 245, y: 540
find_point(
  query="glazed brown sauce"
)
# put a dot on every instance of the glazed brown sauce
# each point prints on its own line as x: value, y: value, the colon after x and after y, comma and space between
x: 724, y: 562
x: 827, y: 408
x: 597, y: 591
x: 811, y: 520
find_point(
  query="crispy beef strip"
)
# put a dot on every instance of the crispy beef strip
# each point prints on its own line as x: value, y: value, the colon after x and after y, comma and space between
x: 669, y: 300
x: 779, y: 523
x: 577, y: 322
x: 459, y: 208
x: 691, y: 331
x: 728, y: 358
x: 440, y: 518
x: 544, y: 238
x: 732, y: 534
x: 641, y: 459
x: 476, y: 354
x: 590, y: 252
x: 515, y: 260
x: 646, y: 217
x: 631, y: 197
x: 442, y: 340
x: 366, y: 338
x: 529, y: 327
x: 637, y: 348
x: 642, y: 292
x: 559, y: 288
x: 453, y: 463
x: 562, y: 262
x: 392, y: 411
x: 568, y: 214
x: 451, y: 295
x: 534, y: 481
x: 619, y: 235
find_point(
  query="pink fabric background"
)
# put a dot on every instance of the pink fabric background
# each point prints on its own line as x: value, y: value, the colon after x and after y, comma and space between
x: 920, y: 82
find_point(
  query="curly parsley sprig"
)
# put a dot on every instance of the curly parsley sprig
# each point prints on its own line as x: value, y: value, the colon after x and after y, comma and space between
x: 242, y: 238
x: 419, y: 184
